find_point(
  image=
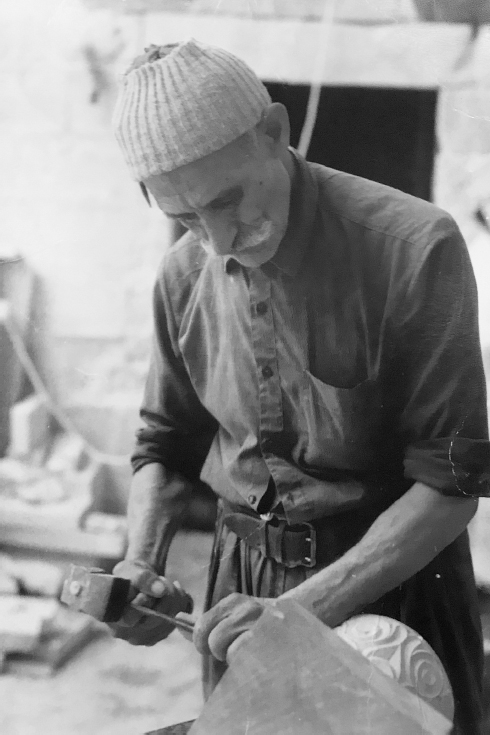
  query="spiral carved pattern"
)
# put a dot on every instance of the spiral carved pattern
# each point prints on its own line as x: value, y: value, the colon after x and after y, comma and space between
x: 401, y: 654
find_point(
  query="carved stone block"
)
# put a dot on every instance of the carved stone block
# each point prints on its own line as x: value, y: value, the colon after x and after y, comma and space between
x: 295, y: 675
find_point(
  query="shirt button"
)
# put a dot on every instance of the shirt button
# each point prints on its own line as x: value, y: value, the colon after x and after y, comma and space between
x: 261, y: 308
x: 252, y: 499
x: 267, y: 372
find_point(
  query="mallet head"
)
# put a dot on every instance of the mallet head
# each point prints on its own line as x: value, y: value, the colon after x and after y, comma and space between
x: 96, y: 593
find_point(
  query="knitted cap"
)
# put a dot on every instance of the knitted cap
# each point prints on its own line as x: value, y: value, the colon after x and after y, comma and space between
x: 181, y: 102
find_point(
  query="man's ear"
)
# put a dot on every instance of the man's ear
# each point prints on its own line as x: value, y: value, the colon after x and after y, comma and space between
x: 275, y: 126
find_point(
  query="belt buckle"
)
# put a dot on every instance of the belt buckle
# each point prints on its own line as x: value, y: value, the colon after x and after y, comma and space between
x: 310, y: 560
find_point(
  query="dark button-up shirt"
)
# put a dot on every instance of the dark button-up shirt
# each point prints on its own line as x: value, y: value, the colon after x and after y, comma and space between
x: 345, y: 369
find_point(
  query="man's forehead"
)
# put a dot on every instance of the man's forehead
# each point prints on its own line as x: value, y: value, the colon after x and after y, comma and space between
x: 190, y: 178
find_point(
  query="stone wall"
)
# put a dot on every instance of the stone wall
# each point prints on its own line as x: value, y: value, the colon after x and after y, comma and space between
x: 68, y: 205
x: 359, y: 11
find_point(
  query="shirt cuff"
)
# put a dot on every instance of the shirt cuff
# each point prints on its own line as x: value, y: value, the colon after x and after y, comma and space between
x: 453, y: 465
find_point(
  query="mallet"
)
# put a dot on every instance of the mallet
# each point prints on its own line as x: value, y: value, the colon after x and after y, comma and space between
x: 105, y: 597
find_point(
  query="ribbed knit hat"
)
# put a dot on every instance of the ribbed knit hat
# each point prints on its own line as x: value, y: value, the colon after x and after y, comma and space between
x: 181, y: 102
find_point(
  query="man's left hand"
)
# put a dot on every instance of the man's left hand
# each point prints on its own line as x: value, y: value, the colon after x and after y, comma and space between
x: 224, y: 627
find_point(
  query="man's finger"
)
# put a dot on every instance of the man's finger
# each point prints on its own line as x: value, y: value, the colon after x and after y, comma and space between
x: 226, y: 621
x: 142, y: 578
x: 211, y: 618
x: 149, y: 583
x: 226, y: 633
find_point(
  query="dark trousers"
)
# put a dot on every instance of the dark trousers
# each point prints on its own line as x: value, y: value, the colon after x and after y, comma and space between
x: 440, y: 603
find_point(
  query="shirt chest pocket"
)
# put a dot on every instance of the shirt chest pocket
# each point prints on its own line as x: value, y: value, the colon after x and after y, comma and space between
x: 342, y: 427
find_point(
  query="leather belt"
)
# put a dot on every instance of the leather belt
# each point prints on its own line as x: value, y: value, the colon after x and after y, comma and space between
x: 290, y: 545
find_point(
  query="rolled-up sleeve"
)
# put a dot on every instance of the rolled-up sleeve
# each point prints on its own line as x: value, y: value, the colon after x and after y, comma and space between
x: 177, y: 430
x: 440, y: 380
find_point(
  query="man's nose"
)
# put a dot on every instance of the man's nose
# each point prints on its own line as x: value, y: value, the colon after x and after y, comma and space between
x: 219, y: 233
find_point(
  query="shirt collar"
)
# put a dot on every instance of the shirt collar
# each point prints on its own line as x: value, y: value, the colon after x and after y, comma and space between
x: 302, y: 209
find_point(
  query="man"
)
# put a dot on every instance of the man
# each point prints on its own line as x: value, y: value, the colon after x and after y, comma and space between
x: 316, y: 361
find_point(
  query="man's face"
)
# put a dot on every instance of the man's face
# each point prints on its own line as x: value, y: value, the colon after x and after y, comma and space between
x: 235, y: 200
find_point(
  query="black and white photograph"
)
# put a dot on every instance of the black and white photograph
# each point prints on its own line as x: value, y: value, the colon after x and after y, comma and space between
x: 244, y: 367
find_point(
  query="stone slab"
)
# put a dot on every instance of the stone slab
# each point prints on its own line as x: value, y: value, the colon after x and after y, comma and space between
x: 295, y: 675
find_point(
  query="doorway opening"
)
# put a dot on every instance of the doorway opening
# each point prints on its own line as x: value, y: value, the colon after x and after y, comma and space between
x: 383, y: 134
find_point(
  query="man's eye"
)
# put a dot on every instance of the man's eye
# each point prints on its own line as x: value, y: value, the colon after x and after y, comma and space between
x: 225, y: 204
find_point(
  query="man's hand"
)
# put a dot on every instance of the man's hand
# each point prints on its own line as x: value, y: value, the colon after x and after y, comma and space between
x: 226, y: 625
x: 148, y: 589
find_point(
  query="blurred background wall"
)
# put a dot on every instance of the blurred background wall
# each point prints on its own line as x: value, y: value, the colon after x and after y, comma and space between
x: 70, y: 209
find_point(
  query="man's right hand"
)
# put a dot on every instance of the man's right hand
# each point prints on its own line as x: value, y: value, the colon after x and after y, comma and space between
x: 151, y: 590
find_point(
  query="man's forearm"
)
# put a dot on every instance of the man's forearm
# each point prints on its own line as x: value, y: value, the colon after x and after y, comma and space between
x: 157, y: 502
x: 403, y: 540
